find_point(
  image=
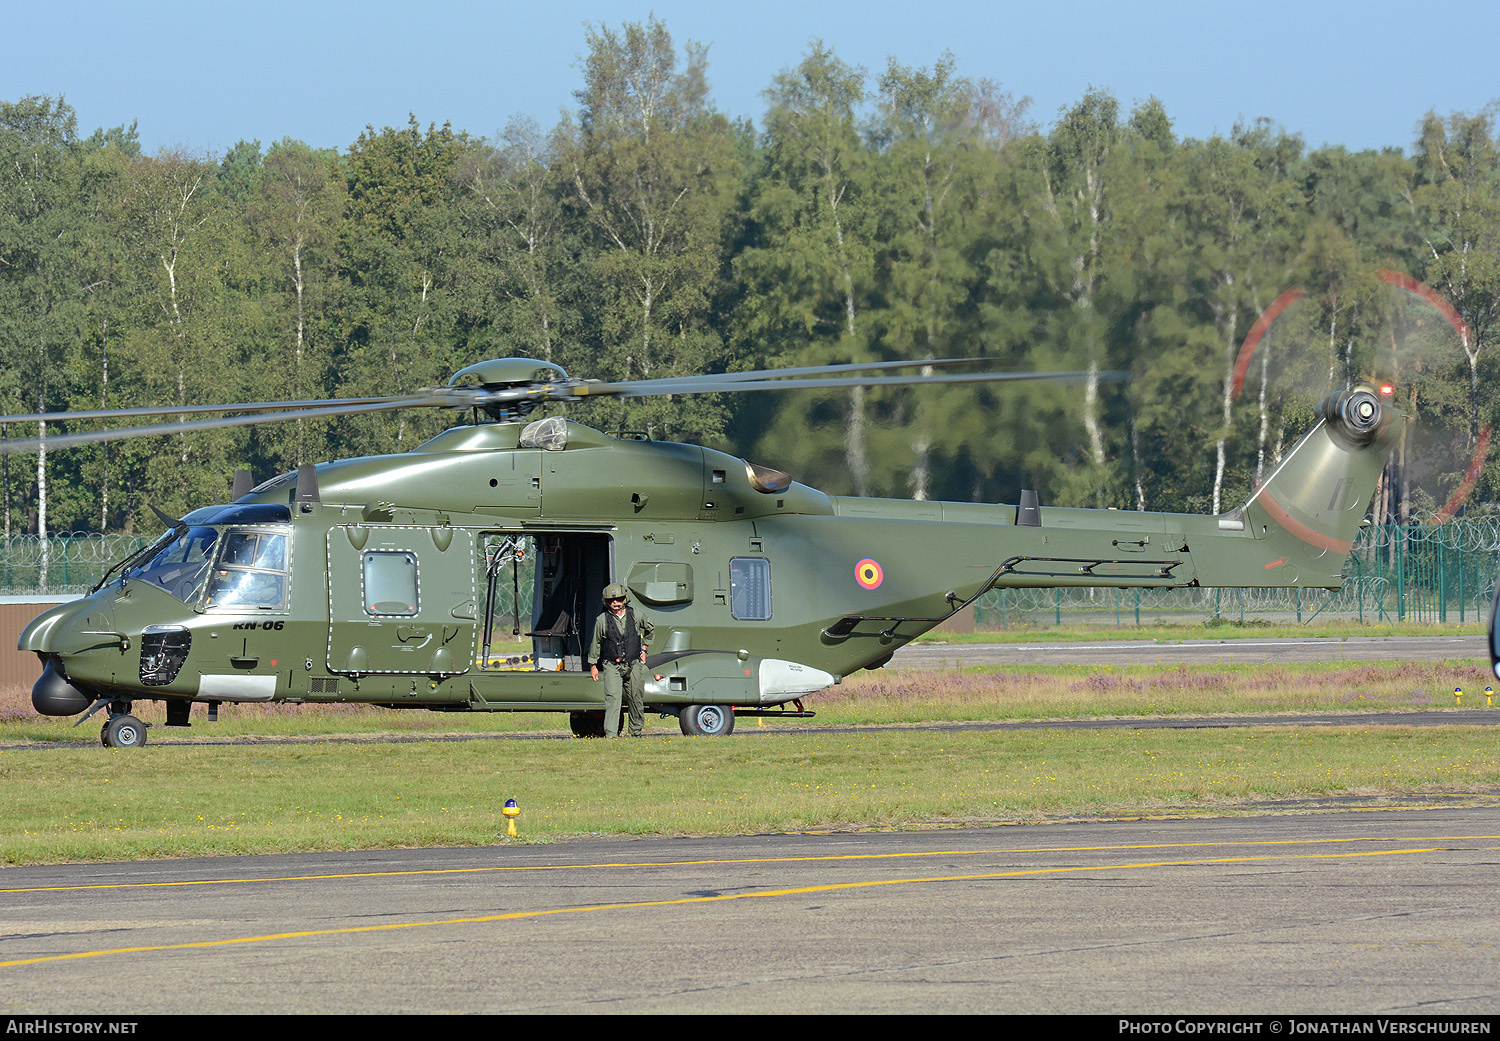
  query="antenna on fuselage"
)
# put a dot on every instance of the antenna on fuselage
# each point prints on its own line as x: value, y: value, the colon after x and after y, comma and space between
x: 1029, y: 512
x: 243, y: 482
x: 307, y: 487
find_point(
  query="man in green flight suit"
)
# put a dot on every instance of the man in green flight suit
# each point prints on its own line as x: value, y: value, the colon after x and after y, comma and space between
x: 618, y: 648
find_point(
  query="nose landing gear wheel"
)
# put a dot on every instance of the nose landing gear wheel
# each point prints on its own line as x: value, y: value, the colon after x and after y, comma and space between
x: 124, y: 731
x: 706, y: 720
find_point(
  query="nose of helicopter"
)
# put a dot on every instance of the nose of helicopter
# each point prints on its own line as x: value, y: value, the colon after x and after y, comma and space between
x: 53, y: 634
x: 41, y: 632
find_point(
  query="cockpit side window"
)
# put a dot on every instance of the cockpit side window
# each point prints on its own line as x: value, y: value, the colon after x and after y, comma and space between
x: 250, y: 573
x: 260, y: 549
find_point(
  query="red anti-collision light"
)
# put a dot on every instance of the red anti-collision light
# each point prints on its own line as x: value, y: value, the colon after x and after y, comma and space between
x: 1387, y: 389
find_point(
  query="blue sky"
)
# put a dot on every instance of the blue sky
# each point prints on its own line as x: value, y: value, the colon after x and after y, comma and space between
x: 202, y: 75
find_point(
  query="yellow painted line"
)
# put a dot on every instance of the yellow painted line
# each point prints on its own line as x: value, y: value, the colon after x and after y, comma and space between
x: 740, y: 860
x: 1458, y: 944
x: 800, y: 891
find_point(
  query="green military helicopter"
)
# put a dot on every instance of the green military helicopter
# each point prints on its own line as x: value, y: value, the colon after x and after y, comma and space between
x: 378, y: 580
x: 1495, y: 635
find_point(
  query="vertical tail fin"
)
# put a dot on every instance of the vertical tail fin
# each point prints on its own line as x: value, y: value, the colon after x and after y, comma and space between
x: 1314, y: 501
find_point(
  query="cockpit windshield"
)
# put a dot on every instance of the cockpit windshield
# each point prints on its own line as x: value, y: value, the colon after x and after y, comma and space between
x: 242, y: 568
x: 180, y: 566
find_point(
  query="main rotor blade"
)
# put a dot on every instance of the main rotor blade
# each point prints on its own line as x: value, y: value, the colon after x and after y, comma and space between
x: 564, y: 390
x: 692, y: 385
x: 804, y: 370
x: 436, y: 397
x: 184, y: 410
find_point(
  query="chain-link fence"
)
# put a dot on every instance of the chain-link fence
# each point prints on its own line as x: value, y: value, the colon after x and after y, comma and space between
x: 1416, y: 573
x: 65, y: 565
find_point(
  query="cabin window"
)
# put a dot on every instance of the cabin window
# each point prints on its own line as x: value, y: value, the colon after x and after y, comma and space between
x: 390, y: 582
x: 750, y: 589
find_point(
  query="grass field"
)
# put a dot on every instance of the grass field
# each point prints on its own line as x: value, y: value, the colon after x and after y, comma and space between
x: 186, y: 801
x: 1205, y: 629
x: 197, y: 798
x: 1011, y: 692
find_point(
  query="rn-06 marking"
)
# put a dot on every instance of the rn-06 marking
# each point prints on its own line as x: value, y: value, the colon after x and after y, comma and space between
x: 259, y: 625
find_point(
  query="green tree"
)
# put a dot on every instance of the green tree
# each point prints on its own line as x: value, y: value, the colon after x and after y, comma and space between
x: 192, y: 328
x: 510, y: 200
x: 93, y: 474
x: 402, y: 310
x: 1457, y: 204
x: 1242, y: 211
x: 655, y: 174
x: 1049, y: 282
x: 240, y: 172
x: 942, y: 139
x: 43, y: 300
x: 1144, y: 263
x: 807, y: 268
x: 295, y: 213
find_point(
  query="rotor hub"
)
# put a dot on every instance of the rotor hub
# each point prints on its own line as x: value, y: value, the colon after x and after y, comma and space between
x: 512, y: 388
x: 1357, y: 415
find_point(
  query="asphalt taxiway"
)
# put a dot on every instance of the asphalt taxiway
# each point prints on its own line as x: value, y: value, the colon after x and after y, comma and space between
x: 1380, y: 911
x: 1316, y: 910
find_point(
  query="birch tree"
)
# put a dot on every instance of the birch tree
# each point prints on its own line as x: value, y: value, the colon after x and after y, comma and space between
x: 940, y: 137
x: 1456, y: 202
x: 1240, y: 212
x: 510, y: 197
x: 808, y: 266
x: 43, y: 219
x: 653, y: 171
x: 295, y: 211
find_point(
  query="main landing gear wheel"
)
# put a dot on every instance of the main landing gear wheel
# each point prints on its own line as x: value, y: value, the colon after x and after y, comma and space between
x: 706, y: 720
x: 124, y: 731
x: 586, y: 723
